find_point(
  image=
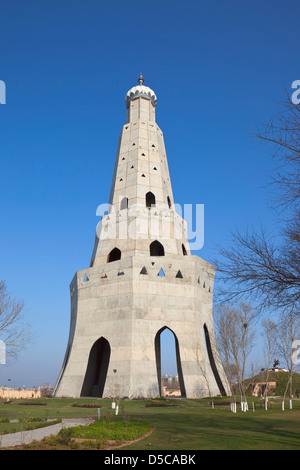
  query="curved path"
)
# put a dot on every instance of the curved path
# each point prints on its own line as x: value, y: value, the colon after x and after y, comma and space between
x: 25, y: 437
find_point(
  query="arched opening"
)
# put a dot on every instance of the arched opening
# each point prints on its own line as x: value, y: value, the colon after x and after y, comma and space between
x: 157, y: 249
x: 184, y: 250
x: 168, y: 362
x: 212, y: 361
x: 124, y: 203
x: 150, y: 199
x: 96, y: 371
x: 114, y: 255
x: 169, y: 202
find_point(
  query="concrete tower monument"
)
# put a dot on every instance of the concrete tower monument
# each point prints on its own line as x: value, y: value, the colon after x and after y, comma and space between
x: 142, y: 279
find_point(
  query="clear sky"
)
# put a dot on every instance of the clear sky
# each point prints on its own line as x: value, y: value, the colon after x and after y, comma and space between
x: 217, y: 68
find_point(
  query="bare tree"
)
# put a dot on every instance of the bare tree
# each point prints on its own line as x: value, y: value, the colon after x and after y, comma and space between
x: 14, y: 332
x: 270, y: 337
x: 204, y: 373
x: 256, y: 266
x: 283, y: 131
x: 288, y: 330
x: 235, y: 340
x: 224, y: 331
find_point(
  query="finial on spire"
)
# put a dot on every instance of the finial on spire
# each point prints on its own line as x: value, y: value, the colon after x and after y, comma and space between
x: 141, y: 79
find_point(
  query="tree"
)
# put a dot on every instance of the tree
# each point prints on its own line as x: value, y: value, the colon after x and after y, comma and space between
x: 255, y: 266
x: 270, y: 337
x: 14, y: 332
x: 235, y: 340
x: 288, y: 330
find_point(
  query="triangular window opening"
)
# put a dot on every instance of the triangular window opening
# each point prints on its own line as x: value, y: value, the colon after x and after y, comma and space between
x: 161, y: 273
x: 85, y: 279
x: 144, y: 270
x: 179, y: 275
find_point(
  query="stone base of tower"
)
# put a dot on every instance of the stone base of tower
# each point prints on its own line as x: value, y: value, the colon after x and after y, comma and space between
x: 118, y: 311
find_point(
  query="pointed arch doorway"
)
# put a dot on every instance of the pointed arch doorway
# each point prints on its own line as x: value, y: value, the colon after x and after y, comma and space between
x: 159, y: 358
x: 96, y: 371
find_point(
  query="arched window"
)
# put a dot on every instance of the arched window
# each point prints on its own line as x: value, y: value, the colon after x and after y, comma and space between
x: 150, y: 199
x: 157, y: 249
x: 183, y: 250
x: 124, y: 203
x: 114, y: 255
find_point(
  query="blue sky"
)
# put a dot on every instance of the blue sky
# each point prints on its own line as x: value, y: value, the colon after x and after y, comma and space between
x: 217, y: 67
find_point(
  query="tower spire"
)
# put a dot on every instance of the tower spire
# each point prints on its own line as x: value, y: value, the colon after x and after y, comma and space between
x: 141, y: 79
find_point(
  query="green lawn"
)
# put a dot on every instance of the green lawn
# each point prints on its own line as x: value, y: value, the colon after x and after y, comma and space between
x: 191, y: 425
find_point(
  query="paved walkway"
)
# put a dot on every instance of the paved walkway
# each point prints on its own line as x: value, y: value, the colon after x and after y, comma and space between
x: 25, y: 437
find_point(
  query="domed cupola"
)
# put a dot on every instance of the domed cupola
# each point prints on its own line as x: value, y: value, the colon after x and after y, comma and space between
x: 140, y: 91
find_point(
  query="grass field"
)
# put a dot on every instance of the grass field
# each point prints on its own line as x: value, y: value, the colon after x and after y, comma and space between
x: 182, y: 424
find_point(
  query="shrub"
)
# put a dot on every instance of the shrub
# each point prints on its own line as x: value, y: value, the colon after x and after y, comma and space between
x: 153, y: 405
x: 86, y: 405
x: 38, y: 403
x: 65, y: 436
x: 113, y: 430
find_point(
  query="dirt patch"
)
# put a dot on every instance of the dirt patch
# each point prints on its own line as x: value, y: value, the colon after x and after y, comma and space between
x: 111, y: 444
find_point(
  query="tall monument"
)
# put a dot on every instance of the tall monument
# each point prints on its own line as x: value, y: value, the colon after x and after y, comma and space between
x: 142, y: 279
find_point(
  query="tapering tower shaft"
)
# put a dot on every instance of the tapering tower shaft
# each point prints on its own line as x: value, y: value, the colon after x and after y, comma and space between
x: 141, y: 198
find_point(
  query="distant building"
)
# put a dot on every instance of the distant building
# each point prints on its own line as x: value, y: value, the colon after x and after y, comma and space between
x: 16, y: 393
x: 259, y: 388
x: 170, y: 386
